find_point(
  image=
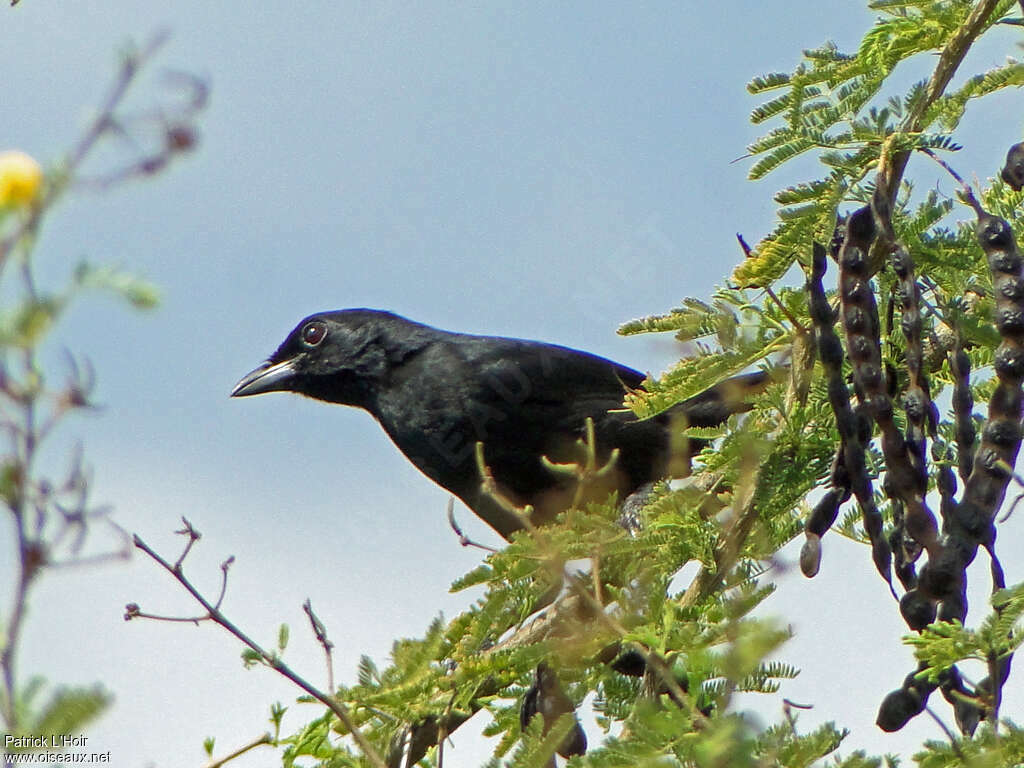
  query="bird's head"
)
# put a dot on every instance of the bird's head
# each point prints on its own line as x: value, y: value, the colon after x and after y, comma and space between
x: 334, y: 356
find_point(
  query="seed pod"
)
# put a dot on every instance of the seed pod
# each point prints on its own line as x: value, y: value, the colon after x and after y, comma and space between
x: 967, y: 713
x: 917, y: 610
x: 899, y: 706
x: 1013, y: 168
x: 810, y: 555
x: 547, y: 698
x: 825, y: 511
x: 997, y: 450
x: 830, y: 352
x: 906, y: 478
x: 905, y: 550
x: 824, y: 515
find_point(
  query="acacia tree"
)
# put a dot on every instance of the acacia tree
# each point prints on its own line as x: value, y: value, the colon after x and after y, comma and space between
x: 924, y: 292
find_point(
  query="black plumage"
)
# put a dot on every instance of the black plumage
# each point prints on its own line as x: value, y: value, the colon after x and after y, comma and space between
x: 438, y: 393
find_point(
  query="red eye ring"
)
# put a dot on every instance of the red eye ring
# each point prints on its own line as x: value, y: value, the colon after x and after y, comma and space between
x: 314, y: 332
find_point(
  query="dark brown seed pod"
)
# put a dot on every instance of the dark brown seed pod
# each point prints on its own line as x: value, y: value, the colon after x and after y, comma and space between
x: 963, y: 408
x: 997, y: 450
x: 824, y: 514
x: 850, y: 426
x: 821, y: 519
x: 826, y: 510
x: 898, y: 708
x: 1013, y: 168
x: 917, y: 610
x: 905, y: 550
x: 904, y: 480
x: 906, y: 477
x: 810, y: 555
x: 907, y: 702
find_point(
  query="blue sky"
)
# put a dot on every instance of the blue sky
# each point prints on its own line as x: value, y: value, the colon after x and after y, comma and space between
x: 523, y: 170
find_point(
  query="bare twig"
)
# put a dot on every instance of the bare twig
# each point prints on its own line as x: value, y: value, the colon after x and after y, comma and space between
x: 51, y: 519
x: 1013, y: 506
x: 214, y: 614
x: 464, y: 540
x: 320, y: 631
x: 949, y: 733
x: 130, y: 67
x: 259, y: 741
x: 947, y: 167
x: 787, y: 711
x: 193, y: 536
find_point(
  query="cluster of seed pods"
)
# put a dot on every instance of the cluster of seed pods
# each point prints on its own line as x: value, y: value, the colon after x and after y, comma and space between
x: 939, y: 589
x: 849, y: 469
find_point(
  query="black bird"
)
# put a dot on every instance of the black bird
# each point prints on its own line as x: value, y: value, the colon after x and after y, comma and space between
x: 438, y: 393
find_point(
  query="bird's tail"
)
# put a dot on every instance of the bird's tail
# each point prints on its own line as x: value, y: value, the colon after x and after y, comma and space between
x: 716, y: 404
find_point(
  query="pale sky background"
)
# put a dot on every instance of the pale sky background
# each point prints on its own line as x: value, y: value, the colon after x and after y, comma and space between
x: 523, y: 171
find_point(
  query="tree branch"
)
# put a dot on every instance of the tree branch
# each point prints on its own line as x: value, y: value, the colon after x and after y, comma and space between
x: 949, y: 61
x: 257, y: 742
x: 214, y: 614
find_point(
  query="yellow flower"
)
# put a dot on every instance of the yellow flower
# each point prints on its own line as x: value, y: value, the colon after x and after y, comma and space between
x: 21, y: 179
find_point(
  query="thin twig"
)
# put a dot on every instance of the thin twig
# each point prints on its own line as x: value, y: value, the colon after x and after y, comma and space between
x: 464, y: 540
x: 320, y: 631
x: 87, y: 560
x: 271, y: 660
x: 787, y: 710
x: 130, y: 67
x: 1013, y: 506
x: 266, y: 738
x: 193, y: 537
x: 442, y: 730
x: 947, y: 167
x: 949, y: 733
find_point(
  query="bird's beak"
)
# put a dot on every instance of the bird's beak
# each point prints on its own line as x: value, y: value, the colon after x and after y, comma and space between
x: 269, y: 377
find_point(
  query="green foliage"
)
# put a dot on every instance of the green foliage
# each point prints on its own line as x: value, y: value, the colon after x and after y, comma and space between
x: 943, y: 644
x: 742, y: 331
x: 475, y: 663
x: 137, y: 292
x: 682, y: 588
x: 826, y: 107
x: 988, y: 749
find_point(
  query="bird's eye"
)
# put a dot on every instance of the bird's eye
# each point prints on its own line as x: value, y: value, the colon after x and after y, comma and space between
x: 314, y: 333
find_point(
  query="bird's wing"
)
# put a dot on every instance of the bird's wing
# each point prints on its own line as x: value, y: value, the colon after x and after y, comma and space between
x: 534, y: 401
x: 547, y: 373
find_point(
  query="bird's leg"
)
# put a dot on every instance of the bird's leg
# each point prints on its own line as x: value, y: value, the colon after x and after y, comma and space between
x: 632, y: 506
